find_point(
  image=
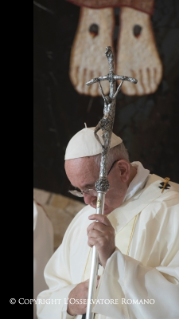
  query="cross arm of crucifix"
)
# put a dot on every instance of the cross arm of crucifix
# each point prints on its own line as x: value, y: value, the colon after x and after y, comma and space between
x: 108, y: 77
x: 115, y: 77
x: 111, y: 78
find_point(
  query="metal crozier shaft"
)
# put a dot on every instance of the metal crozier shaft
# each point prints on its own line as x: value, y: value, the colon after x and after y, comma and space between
x: 102, y: 184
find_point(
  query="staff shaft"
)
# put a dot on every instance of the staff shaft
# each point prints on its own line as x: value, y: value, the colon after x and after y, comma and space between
x: 94, y: 263
x: 102, y: 185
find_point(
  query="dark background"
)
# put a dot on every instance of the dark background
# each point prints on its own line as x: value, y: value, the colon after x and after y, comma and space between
x: 148, y: 125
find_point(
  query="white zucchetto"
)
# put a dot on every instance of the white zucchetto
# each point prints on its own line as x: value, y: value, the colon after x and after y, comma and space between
x: 84, y: 144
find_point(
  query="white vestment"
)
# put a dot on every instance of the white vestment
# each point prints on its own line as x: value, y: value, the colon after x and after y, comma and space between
x: 43, y: 249
x: 150, y: 272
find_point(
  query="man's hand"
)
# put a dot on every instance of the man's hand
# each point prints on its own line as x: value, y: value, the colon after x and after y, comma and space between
x: 102, y: 235
x: 79, y: 292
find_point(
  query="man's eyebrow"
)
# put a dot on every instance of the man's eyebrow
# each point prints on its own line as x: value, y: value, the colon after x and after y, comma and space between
x: 88, y: 185
x: 85, y: 186
x: 74, y: 186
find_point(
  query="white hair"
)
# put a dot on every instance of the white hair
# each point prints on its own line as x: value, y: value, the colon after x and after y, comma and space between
x: 116, y: 153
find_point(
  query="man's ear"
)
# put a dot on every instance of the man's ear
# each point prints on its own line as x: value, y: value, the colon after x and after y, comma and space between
x: 123, y: 170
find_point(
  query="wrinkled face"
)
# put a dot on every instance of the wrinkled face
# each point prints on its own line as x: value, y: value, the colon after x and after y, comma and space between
x: 84, y: 172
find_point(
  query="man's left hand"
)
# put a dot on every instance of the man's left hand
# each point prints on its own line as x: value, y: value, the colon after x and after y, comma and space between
x: 102, y: 235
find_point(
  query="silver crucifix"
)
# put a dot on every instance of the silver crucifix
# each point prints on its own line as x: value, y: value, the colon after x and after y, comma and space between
x: 106, y: 123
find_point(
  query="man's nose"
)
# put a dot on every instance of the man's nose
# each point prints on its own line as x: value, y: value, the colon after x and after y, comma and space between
x: 90, y: 200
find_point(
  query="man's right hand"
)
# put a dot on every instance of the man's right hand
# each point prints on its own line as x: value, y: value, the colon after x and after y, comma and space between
x: 79, y: 292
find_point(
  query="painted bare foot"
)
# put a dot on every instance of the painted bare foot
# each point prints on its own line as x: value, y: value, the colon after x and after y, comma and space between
x: 88, y: 59
x: 137, y: 55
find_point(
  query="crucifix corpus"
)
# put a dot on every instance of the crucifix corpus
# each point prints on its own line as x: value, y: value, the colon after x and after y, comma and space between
x: 102, y: 184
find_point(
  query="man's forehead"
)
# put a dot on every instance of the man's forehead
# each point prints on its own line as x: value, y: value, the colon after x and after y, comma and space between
x: 87, y: 162
x: 82, y: 172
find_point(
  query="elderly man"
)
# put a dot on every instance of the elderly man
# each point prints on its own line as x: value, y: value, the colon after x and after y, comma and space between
x: 136, y: 239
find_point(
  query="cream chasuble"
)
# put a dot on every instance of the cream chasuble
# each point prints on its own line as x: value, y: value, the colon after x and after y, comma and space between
x: 150, y: 271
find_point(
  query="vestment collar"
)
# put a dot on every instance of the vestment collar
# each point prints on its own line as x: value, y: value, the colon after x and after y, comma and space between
x: 138, y: 181
x: 123, y: 214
